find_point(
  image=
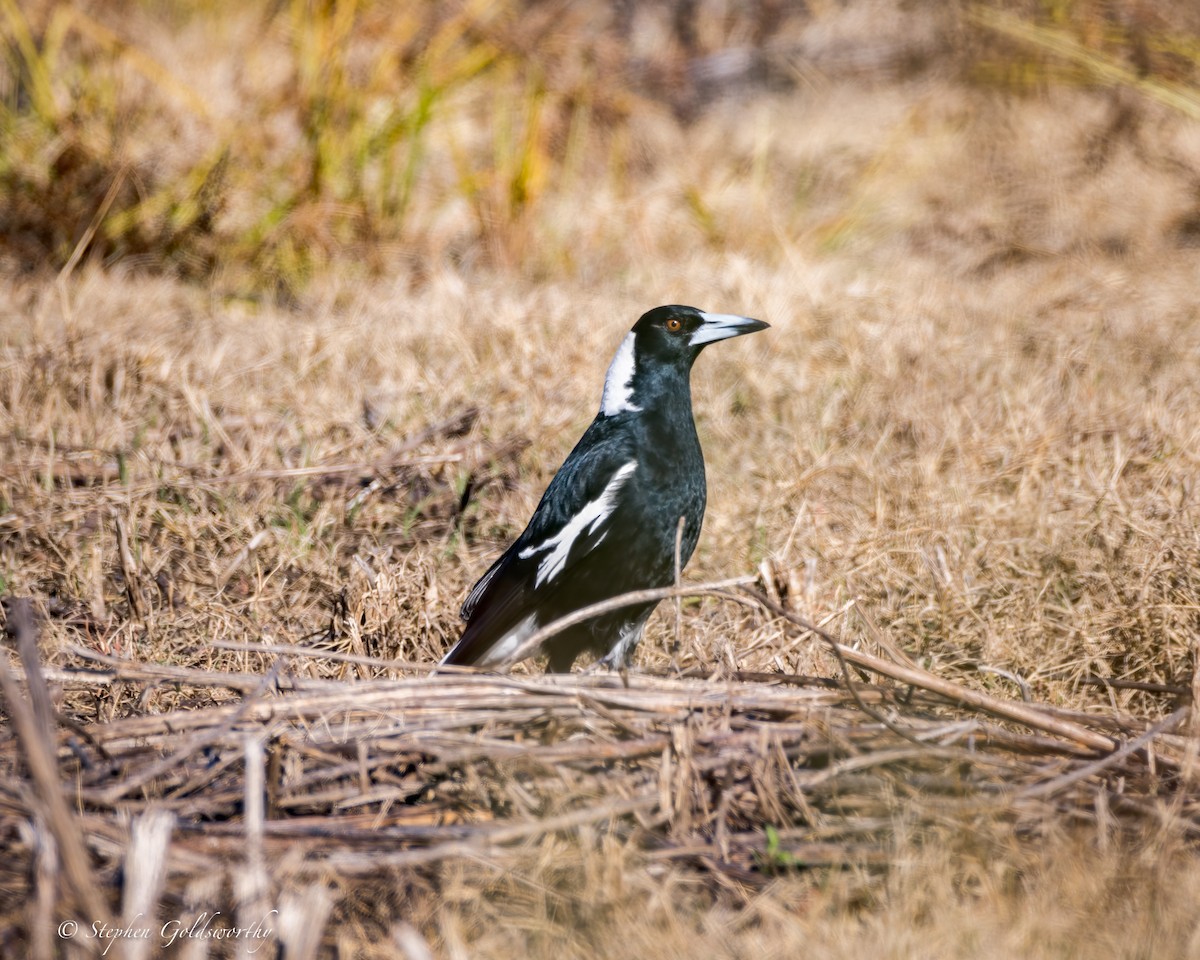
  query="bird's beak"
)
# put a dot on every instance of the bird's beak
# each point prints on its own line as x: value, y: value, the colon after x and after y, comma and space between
x: 721, y: 326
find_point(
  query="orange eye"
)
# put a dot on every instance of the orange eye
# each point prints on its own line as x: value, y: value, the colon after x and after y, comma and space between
x: 674, y: 324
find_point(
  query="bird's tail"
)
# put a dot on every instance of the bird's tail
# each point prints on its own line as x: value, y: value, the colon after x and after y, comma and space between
x: 479, y: 647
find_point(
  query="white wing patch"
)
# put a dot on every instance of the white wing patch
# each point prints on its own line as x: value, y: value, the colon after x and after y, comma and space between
x: 592, y: 515
x: 507, y: 645
x: 618, y: 382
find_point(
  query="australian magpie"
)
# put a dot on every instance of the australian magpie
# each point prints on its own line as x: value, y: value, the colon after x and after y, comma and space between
x: 607, y: 523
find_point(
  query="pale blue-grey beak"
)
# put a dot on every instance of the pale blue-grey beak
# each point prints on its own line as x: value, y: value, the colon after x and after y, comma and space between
x: 722, y: 326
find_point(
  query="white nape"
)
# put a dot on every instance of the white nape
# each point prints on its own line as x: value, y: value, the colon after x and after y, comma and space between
x: 618, y: 382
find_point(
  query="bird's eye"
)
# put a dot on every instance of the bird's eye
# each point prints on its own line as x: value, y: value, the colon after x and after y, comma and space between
x: 674, y: 324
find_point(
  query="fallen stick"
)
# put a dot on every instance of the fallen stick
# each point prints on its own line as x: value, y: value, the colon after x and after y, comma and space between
x: 717, y: 588
x: 482, y: 843
x: 31, y: 718
x: 194, y: 744
x: 1021, y: 713
x: 1079, y: 773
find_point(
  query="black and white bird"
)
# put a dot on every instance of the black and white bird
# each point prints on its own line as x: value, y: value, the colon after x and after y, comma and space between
x: 607, y: 523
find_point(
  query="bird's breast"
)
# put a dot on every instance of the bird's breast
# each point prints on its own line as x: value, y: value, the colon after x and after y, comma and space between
x: 670, y: 484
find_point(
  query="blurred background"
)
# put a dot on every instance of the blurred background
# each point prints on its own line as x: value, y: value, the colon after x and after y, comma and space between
x: 258, y: 144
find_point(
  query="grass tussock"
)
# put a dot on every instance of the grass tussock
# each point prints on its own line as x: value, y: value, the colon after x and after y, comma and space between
x: 330, y: 294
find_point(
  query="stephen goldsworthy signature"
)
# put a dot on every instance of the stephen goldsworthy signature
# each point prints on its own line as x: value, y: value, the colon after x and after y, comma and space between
x: 204, y: 926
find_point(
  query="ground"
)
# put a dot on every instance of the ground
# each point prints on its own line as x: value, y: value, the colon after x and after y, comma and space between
x: 972, y: 427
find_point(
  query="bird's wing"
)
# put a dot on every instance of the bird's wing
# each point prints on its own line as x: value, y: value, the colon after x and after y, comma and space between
x: 572, y: 519
x: 481, y: 585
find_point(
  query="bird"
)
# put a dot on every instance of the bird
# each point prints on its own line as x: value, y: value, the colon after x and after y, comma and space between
x: 607, y: 523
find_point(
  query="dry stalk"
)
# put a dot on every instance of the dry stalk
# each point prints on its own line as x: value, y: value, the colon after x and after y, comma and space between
x: 717, y: 588
x: 38, y: 751
x: 145, y: 875
x: 133, y: 589
x: 191, y: 746
x: 1090, y: 769
x: 369, y: 778
x: 916, y: 677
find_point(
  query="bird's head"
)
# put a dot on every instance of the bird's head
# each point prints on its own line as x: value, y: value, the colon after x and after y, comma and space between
x: 665, y: 339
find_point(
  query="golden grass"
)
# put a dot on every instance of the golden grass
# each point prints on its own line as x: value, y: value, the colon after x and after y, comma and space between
x: 973, y: 425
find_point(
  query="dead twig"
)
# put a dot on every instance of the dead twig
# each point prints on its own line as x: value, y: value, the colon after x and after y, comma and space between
x: 192, y: 745
x: 1088, y: 769
x: 129, y: 571
x: 717, y: 588
x: 31, y: 721
x: 1030, y: 716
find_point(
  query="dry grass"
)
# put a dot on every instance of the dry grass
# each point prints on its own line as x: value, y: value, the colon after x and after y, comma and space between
x: 972, y: 432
